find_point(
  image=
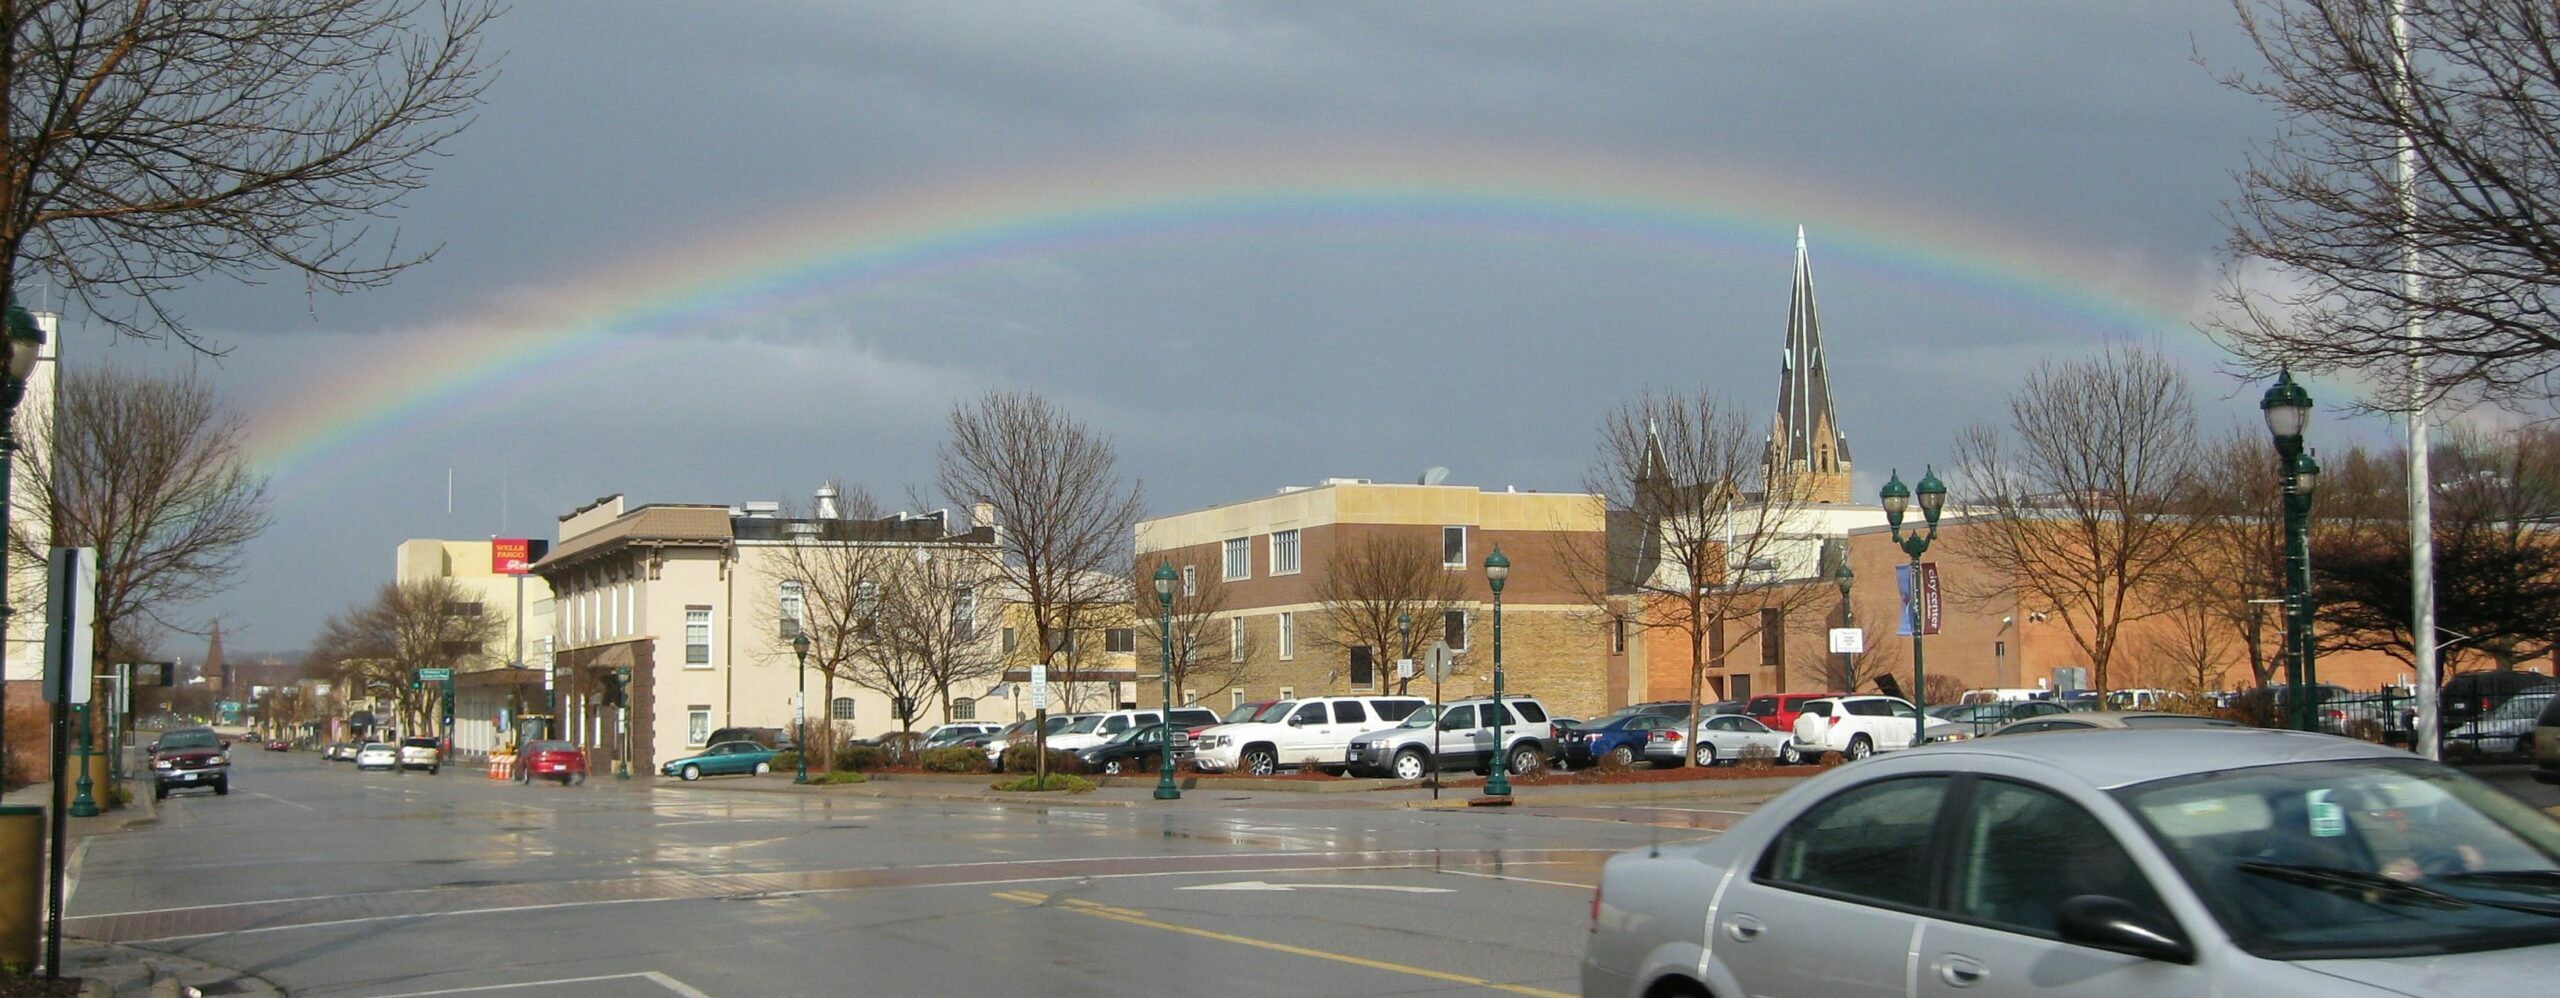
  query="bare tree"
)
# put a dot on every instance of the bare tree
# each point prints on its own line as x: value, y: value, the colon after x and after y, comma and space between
x: 152, y: 143
x: 2323, y: 201
x: 1702, y: 529
x: 1823, y: 669
x: 1063, y: 516
x: 828, y: 589
x: 2497, y: 559
x: 149, y: 472
x: 2085, y: 504
x: 382, y: 642
x: 1207, y: 659
x: 925, y: 627
x: 1375, y: 579
x: 2233, y: 564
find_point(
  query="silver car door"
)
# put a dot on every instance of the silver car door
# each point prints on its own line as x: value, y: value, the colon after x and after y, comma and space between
x: 1833, y: 905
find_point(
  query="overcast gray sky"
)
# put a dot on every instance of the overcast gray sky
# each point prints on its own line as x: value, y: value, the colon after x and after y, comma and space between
x: 712, y: 253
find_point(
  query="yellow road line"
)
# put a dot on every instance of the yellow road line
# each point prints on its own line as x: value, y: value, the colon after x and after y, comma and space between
x: 1128, y: 917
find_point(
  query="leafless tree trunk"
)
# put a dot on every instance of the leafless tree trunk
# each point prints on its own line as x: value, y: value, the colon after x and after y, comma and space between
x: 2322, y: 202
x: 927, y: 624
x: 1377, y: 577
x: 2085, y: 504
x: 149, y: 144
x: 1703, y: 532
x: 1063, y: 516
x: 407, y: 626
x: 829, y: 588
x: 1206, y: 658
x: 2234, y: 562
x: 149, y: 472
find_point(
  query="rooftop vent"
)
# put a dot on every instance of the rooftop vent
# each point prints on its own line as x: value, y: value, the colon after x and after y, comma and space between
x: 761, y: 509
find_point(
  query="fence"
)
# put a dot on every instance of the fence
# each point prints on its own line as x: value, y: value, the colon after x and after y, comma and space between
x: 2389, y: 716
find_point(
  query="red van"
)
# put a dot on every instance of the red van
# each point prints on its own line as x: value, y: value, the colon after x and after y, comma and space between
x: 1779, y: 710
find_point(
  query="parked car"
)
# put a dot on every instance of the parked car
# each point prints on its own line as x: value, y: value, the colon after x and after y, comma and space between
x: 422, y: 753
x: 1980, y: 718
x: 551, y: 760
x: 1722, y: 738
x: 1315, y: 732
x: 1860, y: 726
x: 942, y: 735
x: 1619, y: 737
x: 377, y: 755
x: 1136, y: 750
x: 777, y: 739
x: 1020, y: 732
x: 189, y: 757
x: 2104, y: 720
x: 2004, y: 695
x: 1237, y: 714
x: 2546, y: 743
x: 2140, y: 864
x: 724, y: 759
x: 2504, y: 732
x: 1099, y: 728
x: 278, y: 745
x: 2470, y: 694
x: 1779, y: 710
x: 1465, y: 739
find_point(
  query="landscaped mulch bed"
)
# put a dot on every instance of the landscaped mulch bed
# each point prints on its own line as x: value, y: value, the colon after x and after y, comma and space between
x: 31, y: 986
x: 1684, y: 774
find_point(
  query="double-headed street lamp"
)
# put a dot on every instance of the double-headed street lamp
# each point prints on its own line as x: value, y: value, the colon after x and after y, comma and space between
x: 800, y: 710
x: 1165, y: 577
x: 1496, y: 569
x: 1897, y: 498
x: 2287, y: 407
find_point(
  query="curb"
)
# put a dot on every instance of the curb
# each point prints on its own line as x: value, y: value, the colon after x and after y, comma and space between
x: 108, y: 969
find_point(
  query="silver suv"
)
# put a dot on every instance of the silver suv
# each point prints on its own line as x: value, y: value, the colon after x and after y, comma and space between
x: 1465, y: 739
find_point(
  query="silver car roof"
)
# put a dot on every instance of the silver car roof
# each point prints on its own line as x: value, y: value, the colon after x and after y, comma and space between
x: 2111, y: 758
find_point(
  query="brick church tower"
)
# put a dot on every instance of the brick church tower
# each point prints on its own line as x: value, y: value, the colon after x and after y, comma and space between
x: 1807, y: 451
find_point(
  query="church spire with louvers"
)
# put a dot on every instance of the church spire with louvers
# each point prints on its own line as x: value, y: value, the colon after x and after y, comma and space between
x: 1807, y: 451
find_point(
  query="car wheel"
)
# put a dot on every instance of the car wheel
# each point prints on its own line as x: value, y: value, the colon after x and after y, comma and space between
x: 1526, y: 759
x: 1706, y: 754
x: 159, y: 792
x: 1260, y: 762
x: 573, y: 780
x: 222, y: 788
x: 1623, y: 756
x: 689, y: 773
x: 1412, y: 765
x: 1111, y: 767
x: 1788, y: 755
x: 763, y: 768
x: 433, y: 770
x: 1860, y: 747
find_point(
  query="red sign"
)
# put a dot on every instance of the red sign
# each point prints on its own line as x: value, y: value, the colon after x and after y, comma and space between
x: 1929, y: 605
x: 513, y: 556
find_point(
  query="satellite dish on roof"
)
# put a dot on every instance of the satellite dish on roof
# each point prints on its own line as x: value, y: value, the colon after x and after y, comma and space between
x: 1435, y: 476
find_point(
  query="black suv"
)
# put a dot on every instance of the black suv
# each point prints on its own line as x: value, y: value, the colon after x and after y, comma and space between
x: 190, y: 757
x: 2470, y: 694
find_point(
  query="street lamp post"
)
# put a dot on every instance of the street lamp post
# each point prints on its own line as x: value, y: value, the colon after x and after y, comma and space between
x: 1496, y: 569
x: 1404, y: 643
x: 800, y: 708
x: 1933, y: 498
x: 25, y: 346
x: 2287, y: 406
x: 1165, y: 577
x: 1848, y: 662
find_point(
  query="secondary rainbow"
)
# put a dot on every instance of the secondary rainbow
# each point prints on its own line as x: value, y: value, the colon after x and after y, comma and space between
x: 432, y: 382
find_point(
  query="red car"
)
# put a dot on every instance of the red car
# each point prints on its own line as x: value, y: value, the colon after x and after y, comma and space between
x: 278, y: 745
x: 551, y: 761
x: 1779, y: 710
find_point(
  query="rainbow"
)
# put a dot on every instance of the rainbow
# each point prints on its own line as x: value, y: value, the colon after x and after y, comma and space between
x: 431, y: 383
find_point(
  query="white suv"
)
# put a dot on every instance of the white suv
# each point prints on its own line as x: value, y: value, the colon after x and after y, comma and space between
x: 1316, y: 731
x: 1100, y: 728
x: 1861, y: 726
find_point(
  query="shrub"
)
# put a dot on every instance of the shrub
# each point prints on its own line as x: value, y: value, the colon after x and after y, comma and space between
x: 953, y: 760
x: 1831, y: 759
x: 839, y: 776
x: 1756, y: 757
x: 785, y: 760
x: 1610, y: 764
x: 1060, y: 761
x: 1057, y: 781
x: 861, y: 759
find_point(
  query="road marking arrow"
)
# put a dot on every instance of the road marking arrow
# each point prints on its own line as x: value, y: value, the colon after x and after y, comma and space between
x: 1258, y: 885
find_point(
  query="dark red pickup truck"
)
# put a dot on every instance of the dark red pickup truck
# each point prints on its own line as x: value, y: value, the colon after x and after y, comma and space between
x: 190, y: 757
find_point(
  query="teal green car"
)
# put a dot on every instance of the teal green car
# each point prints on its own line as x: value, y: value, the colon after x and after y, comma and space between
x: 726, y: 758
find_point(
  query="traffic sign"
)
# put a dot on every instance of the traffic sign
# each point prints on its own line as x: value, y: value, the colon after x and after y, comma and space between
x: 435, y: 675
x: 1440, y: 661
x: 1848, y: 641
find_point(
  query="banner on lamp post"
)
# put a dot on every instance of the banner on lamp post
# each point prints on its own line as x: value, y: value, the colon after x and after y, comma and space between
x: 1930, y: 603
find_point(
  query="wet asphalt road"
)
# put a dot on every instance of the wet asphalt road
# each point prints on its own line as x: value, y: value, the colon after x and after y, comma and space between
x: 327, y: 881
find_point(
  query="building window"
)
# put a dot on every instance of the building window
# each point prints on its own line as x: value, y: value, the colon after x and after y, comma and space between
x: 1235, y: 639
x: 1453, y: 629
x: 793, y: 608
x: 1008, y: 641
x: 1120, y: 639
x: 1066, y: 642
x: 630, y: 608
x: 1288, y: 693
x: 1773, y: 638
x: 1237, y: 560
x: 1453, y: 547
x: 964, y: 611
x: 697, y: 724
x: 697, y: 637
x: 964, y: 709
x: 1618, y: 635
x: 612, y: 619
x: 841, y: 709
x: 1191, y: 698
x: 1288, y: 646
x: 1284, y: 552
x: 1364, y: 669
x: 1190, y: 580
x: 1235, y: 699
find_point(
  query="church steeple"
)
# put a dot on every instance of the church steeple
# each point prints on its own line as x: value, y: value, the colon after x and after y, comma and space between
x: 1807, y: 451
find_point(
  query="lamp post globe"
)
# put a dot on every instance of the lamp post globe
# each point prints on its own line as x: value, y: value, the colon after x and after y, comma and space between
x: 1895, y: 497
x: 1164, y: 580
x: 1497, y: 570
x: 800, y: 714
x: 2287, y: 407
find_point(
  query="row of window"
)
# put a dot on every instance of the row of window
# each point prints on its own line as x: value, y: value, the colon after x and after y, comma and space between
x: 1235, y: 556
x: 613, y: 611
x: 792, y: 606
x: 1114, y: 639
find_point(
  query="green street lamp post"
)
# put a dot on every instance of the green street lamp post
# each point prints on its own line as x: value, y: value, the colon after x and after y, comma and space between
x: 83, y: 804
x: 1933, y: 498
x: 2287, y: 407
x: 25, y: 347
x: 1496, y: 569
x: 622, y: 721
x: 1404, y: 643
x: 800, y: 708
x: 1165, y: 577
x: 1848, y: 662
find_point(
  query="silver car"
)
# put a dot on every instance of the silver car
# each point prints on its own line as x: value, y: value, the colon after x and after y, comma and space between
x: 1721, y: 738
x: 2131, y: 862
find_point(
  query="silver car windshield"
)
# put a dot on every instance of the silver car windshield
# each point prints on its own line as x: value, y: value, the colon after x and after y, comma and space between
x: 2359, y: 859
x: 1276, y: 713
x: 1420, y: 718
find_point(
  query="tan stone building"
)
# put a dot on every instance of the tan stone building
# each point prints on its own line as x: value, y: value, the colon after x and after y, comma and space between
x: 506, y: 680
x: 1270, y: 554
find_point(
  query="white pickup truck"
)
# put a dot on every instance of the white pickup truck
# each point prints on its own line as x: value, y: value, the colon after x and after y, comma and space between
x: 1316, y: 731
x: 1860, y: 726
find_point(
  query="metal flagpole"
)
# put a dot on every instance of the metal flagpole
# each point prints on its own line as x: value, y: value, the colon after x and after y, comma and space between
x: 2422, y: 549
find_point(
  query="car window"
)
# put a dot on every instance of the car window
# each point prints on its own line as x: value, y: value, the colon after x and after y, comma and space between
x: 1748, y: 726
x: 1869, y: 843
x: 1458, y: 718
x: 1310, y: 714
x: 1762, y: 707
x: 1821, y: 709
x: 1647, y: 722
x: 1719, y: 723
x: 2177, y: 721
x: 1149, y: 718
x: 2550, y: 715
x: 2025, y: 728
x: 1276, y: 712
x: 1192, y: 717
x: 1530, y: 711
x: 1349, y: 712
x: 2025, y: 851
x: 1869, y: 708
x: 1395, y: 710
x: 1114, y: 724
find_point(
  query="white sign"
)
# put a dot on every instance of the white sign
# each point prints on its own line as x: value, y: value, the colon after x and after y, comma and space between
x: 1440, y: 661
x: 1040, y: 687
x: 1404, y: 668
x: 71, y: 606
x: 1848, y: 641
x: 799, y: 708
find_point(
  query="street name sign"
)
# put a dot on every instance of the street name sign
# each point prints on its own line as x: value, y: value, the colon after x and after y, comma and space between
x: 434, y: 675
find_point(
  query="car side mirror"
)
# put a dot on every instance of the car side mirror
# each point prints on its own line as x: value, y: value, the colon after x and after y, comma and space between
x: 153, y: 747
x: 2112, y: 923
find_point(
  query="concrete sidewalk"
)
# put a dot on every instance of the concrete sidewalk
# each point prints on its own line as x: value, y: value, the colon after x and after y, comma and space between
x: 112, y: 969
